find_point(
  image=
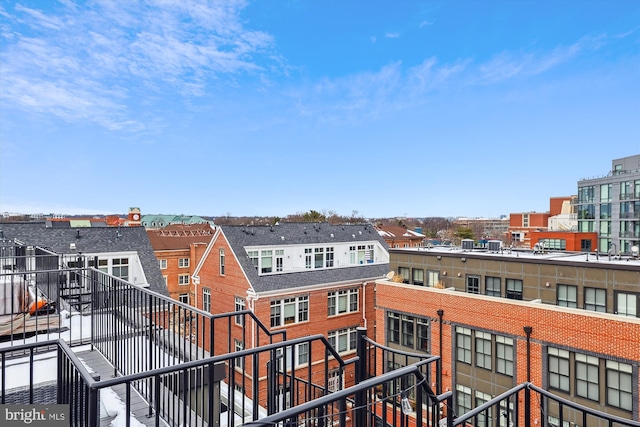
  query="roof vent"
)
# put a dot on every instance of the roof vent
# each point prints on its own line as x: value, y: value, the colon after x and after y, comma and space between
x: 331, y: 234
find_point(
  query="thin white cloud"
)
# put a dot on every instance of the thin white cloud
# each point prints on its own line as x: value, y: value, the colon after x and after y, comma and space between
x: 392, y: 35
x: 507, y: 65
x: 424, y: 24
x: 394, y: 86
x: 37, y: 19
x: 84, y: 55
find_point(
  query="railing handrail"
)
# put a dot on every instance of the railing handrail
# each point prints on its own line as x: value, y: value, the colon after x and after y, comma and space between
x: 582, y: 408
x: 216, y: 359
x: 413, y: 369
x: 401, y: 352
x: 478, y: 410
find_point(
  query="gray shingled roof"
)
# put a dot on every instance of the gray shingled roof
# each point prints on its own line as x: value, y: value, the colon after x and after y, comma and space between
x: 240, y: 237
x: 91, y: 240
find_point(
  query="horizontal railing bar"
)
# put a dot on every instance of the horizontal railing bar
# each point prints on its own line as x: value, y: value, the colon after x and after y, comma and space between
x: 339, y: 395
x: 476, y: 411
x: 214, y: 359
x: 584, y: 409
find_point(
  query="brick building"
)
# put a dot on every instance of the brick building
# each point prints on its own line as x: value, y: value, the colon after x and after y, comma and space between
x: 302, y: 278
x: 178, y: 248
x: 400, y: 237
x: 572, y: 319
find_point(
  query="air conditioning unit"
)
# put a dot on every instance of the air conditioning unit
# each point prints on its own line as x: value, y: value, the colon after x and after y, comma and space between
x: 467, y: 244
x: 494, y: 245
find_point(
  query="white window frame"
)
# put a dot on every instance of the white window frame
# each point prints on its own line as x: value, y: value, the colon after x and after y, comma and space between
x: 206, y: 299
x: 559, y: 369
x: 616, y: 395
x: 183, y: 279
x: 504, y: 355
x: 240, y: 305
x: 483, y: 350
x: 183, y: 298
x: 279, y: 311
x: 183, y: 262
x: 163, y: 264
x: 463, y: 345
x: 343, y: 340
x: 221, y: 255
x: 350, y: 298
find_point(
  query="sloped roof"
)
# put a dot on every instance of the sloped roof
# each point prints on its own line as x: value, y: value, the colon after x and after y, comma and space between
x: 164, y: 220
x: 91, y: 240
x: 240, y: 237
x: 179, y: 236
x: 396, y: 231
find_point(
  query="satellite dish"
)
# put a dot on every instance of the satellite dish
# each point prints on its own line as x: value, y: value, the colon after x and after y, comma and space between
x: 391, y: 274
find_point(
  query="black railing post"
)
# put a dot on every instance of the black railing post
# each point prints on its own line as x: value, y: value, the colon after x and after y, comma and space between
x: 449, y: 401
x: 150, y: 357
x: 94, y: 407
x: 361, y: 374
x: 439, y: 363
x: 527, y: 407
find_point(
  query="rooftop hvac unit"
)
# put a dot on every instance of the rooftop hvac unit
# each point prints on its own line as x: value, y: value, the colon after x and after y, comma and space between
x: 494, y: 245
x: 467, y: 244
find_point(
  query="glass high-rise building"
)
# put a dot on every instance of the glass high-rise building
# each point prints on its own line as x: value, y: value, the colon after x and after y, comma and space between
x: 610, y: 206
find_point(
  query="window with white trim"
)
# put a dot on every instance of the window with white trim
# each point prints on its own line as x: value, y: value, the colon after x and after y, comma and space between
x: 329, y: 257
x: 184, y: 298
x: 504, y: 355
x: 253, y: 258
x: 343, y: 340
x: 183, y: 262
x: 342, y: 301
x: 492, y: 286
x: 567, y: 296
x: 463, y: 344
x: 302, y: 353
x: 559, y: 369
x: 627, y: 304
x: 279, y: 259
x: 433, y: 278
x: 183, y: 279
x: 206, y: 299
x: 483, y: 350
x: 484, y: 418
x: 238, y: 361
x: 308, y: 257
x: 318, y: 257
x: 619, y: 385
x: 587, y: 368
x: 514, y: 289
x: 289, y: 310
x: 595, y: 299
x: 120, y: 268
x: 393, y: 328
x: 239, y: 306
x: 266, y: 261
x: 163, y: 264
x: 473, y: 284
x: 463, y: 399
x: 221, y: 254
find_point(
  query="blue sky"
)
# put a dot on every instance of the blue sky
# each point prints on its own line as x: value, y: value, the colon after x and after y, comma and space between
x: 391, y: 108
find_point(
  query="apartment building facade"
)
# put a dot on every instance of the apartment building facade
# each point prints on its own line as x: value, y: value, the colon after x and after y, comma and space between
x: 302, y: 278
x: 610, y: 206
x: 178, y: 248
x: 570, y: 324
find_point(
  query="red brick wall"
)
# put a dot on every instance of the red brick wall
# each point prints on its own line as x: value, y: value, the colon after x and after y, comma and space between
x: 588, y: 332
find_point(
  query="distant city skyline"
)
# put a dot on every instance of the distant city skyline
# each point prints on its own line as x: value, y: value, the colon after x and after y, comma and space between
x: 414, y: 108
